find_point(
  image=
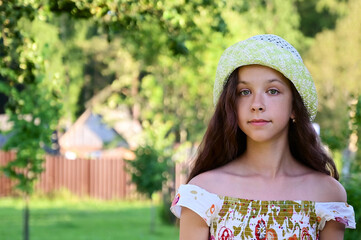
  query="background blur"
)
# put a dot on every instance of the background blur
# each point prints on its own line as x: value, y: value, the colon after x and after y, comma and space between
x: 105, y: 93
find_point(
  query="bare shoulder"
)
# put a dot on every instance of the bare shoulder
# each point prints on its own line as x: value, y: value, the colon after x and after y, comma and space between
x: 327, y: 188
x: 211, y: 181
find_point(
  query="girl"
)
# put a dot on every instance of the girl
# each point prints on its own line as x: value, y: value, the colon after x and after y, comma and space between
x: 261, y: 171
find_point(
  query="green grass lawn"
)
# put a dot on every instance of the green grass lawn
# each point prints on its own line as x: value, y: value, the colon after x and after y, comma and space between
x: 82, y: 220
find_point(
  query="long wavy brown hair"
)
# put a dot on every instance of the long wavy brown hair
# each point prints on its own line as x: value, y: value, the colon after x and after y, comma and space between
x: 224, y: 141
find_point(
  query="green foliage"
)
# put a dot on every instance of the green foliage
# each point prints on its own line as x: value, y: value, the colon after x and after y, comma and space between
x: 319, y: 15
x: 334, y: 61
x: 133, y: 19
x: 353, y: 184
x: 64, y: 55
x: 33, y: 105
x: 353, y: 198
x: 148, y: 170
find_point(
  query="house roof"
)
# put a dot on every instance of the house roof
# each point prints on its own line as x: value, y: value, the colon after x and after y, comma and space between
x: 89, y: 132
x: 123, y: 124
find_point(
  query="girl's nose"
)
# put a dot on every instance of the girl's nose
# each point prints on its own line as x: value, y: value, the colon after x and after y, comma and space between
x: 257, y: 104
x: 260, y: 109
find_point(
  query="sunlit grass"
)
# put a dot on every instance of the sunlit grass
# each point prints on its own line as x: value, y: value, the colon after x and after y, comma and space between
x: 82, y: 219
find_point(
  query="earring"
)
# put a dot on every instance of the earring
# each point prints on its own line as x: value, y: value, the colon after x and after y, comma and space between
x: 293, y: 120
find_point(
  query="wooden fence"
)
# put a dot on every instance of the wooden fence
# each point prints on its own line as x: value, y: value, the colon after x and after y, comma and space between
x: 99, y: 178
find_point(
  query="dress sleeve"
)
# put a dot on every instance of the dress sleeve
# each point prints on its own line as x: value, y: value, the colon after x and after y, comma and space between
x: 337, y: 211
x: 204, y: 203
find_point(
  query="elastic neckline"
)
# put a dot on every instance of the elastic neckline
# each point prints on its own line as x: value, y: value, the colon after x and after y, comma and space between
x: 259, y: 200
x: 266, y: 202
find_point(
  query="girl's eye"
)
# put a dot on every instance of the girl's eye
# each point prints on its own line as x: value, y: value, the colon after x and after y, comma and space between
x: 244, y: 92
x: 273, y: 91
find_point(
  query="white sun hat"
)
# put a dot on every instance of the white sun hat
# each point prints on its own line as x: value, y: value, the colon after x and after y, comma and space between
x: 270, y: 51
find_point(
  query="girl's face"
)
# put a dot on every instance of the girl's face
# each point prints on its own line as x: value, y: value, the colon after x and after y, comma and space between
x: 264, y: 103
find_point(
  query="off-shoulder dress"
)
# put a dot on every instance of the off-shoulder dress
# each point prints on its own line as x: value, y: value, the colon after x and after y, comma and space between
x: 231, y: 218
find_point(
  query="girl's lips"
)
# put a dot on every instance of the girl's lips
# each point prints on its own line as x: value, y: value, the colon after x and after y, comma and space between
x: 258, y: 122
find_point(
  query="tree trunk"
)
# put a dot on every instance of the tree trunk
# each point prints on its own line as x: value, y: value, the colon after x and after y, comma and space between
x: 152, y: 216
x: 26, y: 218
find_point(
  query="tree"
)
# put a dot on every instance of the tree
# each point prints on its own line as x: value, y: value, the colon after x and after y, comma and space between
x: 33, y: 106
x: 149, y: 169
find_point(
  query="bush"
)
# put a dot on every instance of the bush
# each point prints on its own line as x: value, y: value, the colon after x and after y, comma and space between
x: 148, y: 170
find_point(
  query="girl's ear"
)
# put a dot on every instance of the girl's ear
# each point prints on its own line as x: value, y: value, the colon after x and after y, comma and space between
x: 293, y: 115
